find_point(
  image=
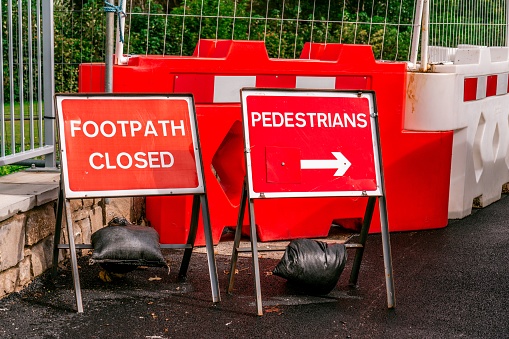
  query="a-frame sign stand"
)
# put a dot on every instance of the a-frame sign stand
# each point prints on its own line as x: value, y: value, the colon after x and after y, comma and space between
x: 130, y: 145
x: 278, y: 146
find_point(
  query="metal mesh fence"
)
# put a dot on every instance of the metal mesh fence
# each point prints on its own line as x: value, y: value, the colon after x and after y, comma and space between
x: 79, y: 28
x: 164, y: 27
x: 285, y: 25
x: 174, y: 27
x: 465, y: 22
x: 21, y: 115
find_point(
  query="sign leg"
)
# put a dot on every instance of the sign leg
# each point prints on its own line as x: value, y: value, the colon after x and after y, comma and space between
x: 366, y: 222
x: 74, y: 260
x: 58, y: 232
x: 191, y: 237
x: 209, y: 243
x: 236, y: 241
x: 389, y: 278
x: 254, y: 251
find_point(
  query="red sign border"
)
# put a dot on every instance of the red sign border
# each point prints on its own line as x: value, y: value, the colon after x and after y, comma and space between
x: 69, y: 193
x: 369, y: 95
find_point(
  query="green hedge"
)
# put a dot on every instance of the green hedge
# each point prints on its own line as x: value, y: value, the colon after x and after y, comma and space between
x: 79, y: 30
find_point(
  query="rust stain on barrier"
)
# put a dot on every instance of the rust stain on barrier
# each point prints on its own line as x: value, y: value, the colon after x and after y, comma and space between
x: 411, y: 91
x: 414, y: 89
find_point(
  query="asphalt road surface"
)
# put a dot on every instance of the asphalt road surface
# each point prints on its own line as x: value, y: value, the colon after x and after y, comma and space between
x: 450, y: 283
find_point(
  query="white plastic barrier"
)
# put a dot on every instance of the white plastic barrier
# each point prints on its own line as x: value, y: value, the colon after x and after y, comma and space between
x: 469, y: 96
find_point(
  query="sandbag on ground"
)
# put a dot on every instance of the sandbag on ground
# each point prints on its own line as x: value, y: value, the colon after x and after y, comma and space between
x: 312, y: 267
x: 120, y: 247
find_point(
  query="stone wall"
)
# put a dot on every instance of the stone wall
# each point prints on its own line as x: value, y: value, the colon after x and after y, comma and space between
x: 27, y: 225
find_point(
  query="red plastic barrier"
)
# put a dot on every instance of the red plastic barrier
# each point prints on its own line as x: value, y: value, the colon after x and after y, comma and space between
x: 416, y: 164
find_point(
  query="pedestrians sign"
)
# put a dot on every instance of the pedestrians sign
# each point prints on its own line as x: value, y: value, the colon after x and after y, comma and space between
x: 306, y: 144
x: 311, y: 143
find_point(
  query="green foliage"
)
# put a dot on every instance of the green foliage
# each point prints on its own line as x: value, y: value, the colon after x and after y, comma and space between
x: 12, y: 81
x: 9, y: 169
x: 284, y: 27
x: 174, y: 27
x: 79, y: 38
x: 163, y: 27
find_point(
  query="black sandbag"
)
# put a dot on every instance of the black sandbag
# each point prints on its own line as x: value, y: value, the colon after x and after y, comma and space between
x: 121, y: 247
x: 312, y: 267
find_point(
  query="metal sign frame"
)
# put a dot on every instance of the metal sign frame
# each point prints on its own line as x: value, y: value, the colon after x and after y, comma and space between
x: 354, y: 95
x: 200, y: 201
x: 249, y: 195
x: 64, y: 143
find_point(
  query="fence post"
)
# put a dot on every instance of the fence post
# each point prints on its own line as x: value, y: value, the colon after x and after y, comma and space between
x: 110, y: 31
x: 425, y: 36
x: 416, y: 33
x: 49, y: 82
x: 108, y: 74
x: 119, y: 47
x: 507, y: 23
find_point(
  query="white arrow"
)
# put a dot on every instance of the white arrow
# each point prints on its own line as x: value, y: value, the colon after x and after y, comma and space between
x: 341, y: 163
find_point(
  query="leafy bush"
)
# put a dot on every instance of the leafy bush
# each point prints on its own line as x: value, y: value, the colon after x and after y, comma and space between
x: 161, y: 27
x: 9, y: 169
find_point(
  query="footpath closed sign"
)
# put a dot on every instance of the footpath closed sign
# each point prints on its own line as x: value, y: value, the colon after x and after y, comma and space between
x: 121, y: 145
x: 311, y: 143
